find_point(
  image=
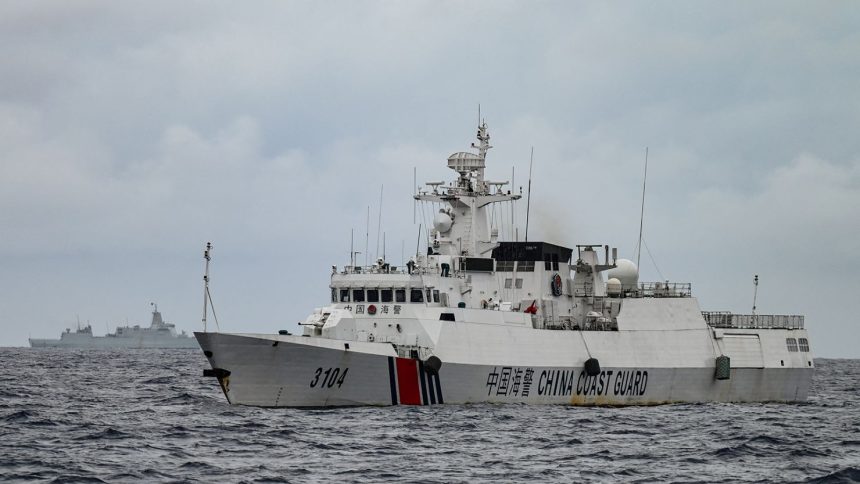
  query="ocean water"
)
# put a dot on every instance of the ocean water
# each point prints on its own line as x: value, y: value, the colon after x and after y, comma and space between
x: 109, y: 416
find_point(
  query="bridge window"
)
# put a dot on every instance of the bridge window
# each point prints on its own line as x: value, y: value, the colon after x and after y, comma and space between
x: 526, y: 266
x: 387, y: 295
x: 547, y: 262
x: 333, y: 295
x: 792, y: 344
x: 358, y: 295
x: 373, y: 295
x: 435, y: 295
x: 400, y: 295
x: 804, y: 344
x: 504, y: 266
x: 555, y: 262
x: 344, y: 295
x: 416, y: 296
x: 429, y: 295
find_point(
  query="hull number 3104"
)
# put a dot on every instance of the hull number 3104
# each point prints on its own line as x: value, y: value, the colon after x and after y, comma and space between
x: 329, y: 377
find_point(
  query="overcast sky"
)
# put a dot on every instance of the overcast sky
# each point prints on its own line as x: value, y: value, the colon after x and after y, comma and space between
x: 132, y: 134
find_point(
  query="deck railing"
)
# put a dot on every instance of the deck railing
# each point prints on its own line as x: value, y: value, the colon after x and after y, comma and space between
x: 725, y: 319
x: 665, y: 289
x: 371, y: 269
x: 653, y: 289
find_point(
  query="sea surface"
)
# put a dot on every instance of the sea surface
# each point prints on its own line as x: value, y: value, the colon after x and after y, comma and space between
x: 149, y: 415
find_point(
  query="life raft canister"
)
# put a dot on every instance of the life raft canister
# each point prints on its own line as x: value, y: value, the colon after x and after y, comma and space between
x: 555, y: 284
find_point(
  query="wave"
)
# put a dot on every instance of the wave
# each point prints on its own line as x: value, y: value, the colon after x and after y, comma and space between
x: 19, y: 416
x: 846, y: 475
x: 108, y: 433
x: 165, y: 424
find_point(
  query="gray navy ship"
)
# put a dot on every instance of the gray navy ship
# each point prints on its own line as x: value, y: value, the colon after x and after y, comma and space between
x: 159, y: 334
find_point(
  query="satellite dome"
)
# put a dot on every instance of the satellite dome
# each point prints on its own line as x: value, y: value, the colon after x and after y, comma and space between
x: 613, y: 286
x: 626, y: 272
x: 442, y: 222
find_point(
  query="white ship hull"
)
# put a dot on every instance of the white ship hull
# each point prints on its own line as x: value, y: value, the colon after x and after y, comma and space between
x: 288, y: 371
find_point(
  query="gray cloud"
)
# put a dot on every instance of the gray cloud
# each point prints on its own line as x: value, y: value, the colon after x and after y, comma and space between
x: 131, y: 135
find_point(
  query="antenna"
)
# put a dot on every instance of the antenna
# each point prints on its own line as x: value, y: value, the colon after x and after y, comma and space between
x: 367, y: 237
x: 755, y: 292
x: 513, y: 210
x: 418, y: 242
x: 529, y: 197
x: 642, y: 212
x: 379, y: 223
x: 351, y: 247
x: 206, y: 282
x: 415, y: 187
x: 207, y: 296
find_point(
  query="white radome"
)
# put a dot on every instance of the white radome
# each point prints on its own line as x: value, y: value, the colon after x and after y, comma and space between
x: 442, y: 222
x: 626, y: 272
x: 613, y: 286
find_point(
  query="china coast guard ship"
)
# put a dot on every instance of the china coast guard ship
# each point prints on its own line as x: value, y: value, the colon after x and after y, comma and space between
x: 477, y: 319
x: 159, y: 334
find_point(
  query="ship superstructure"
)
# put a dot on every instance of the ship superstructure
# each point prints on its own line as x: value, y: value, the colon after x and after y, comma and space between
x: 476, y: 319
x: 159, y: 334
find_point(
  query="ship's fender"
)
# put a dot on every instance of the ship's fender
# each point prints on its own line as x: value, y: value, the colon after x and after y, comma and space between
x: 432, y: 365
x: 723, y: 368
x: 592, y: 367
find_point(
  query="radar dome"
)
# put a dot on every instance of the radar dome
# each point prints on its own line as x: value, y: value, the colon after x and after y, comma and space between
x: 613, y: 286
x: 442, y: 222
x: 626, y: 272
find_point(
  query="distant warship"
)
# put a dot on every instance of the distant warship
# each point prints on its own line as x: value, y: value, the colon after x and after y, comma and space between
x: 158, y: 335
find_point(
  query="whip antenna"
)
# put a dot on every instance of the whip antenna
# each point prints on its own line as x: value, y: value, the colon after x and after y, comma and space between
x: 379, y: 224
x: 755, y: 292
x: 529, y: 196
x: 642, y: 212
x: 207, y: 297
x: 414, y: 185
x: 367, y: 237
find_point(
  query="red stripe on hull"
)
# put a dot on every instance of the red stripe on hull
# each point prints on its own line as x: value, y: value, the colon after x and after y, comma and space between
x: 407, y: 381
